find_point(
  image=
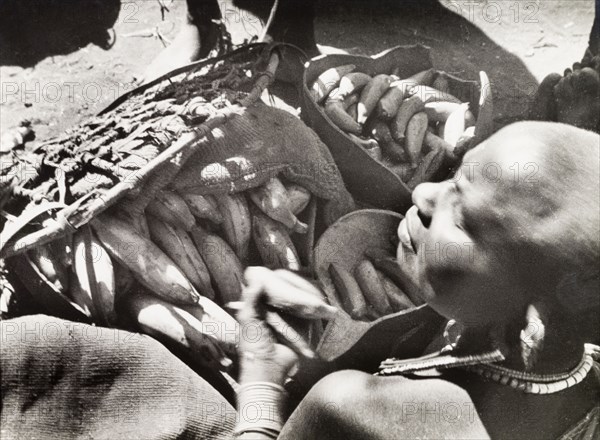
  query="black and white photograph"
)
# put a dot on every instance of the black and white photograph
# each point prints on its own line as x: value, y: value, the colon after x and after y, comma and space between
x: 299, y: 219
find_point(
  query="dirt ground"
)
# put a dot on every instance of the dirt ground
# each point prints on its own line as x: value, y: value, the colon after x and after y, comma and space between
x: 516, y: 42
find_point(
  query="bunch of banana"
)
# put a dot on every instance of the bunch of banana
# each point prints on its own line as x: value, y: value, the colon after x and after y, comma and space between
x: 413, y: 125
x: 378, y: 287
x: 162, y: 268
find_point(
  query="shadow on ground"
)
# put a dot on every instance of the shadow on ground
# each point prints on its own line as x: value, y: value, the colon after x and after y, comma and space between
x: 458, y: 46
x: 31, y: 30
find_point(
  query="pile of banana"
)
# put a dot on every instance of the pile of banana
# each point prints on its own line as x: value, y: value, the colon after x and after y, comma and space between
x: 373, y: 291
x: 176, y: 264
x: 414, y: 126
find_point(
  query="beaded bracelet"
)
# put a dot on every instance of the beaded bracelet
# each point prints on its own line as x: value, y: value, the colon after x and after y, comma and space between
x: 259, y: 407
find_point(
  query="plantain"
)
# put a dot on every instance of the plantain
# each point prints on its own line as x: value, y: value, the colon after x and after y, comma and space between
x: 349, y: 292
x: 298, y: 197
x: 396, y: 272
x: 329, y: 80
x: 352, y: 83
x: 94, y: 283
x: 225, y: 268
x: 415, y: 135
x: 398, y: 299
x: 272, y: 199
x: 172, y: 209
x: 149, y: 265
x: 189, y: 327
x: 236, y: 223
x: 51, y: 266
x: 341, y: 118
x: 178, y: 245
x: 382, y: 134
x: 203, y: 207
x: 274, y: 243
x: 371, y: 94
x: 455, y: 124
x: 408, y: 108
x: 372, y: 287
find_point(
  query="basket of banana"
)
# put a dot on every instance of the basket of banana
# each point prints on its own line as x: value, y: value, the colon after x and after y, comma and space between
x: 392, y: 121
x: 145, y: 216
x: 355, y: 263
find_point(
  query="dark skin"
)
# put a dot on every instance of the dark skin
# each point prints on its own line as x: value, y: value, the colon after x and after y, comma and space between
x: 489, y: 292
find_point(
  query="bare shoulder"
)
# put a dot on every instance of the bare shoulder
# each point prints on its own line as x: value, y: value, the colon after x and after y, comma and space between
x: 352, y: 404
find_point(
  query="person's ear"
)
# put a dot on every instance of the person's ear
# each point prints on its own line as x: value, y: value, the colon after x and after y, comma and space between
x: 532, y: 336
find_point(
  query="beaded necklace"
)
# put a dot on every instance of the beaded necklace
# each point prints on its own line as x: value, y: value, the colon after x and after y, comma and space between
x: 532, y: 383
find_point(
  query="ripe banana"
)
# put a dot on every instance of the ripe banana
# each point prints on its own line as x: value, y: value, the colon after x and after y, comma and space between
x: 149, y: 265
x: 178, y: 245
x: 272, y: 199
x: 94, y: 283
x: 349, y: 292
x: 203, y: 207
x: 236, y: 222
x: 274, y: 243
x: 372, y: 287
x: 398, y: 299
x: 225, y: 268
x: 298, y: 197
x: 172, y: 209
x: 184, y: 326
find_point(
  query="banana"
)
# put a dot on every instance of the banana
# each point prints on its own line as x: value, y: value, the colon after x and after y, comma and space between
x: 236, y: 222
x: 272, y: 199
x: 172, y: 209
x: 372, y: 287
x: 351, y: 83
x: 398, y: 299
x: 203, y: 207
x: 225, y: 268
x: 371, y: 94
x: 329, y: 80
x: 274, y: 243
x: 124, y: 280
x: 408, y: 108
x: 349, y: 292
x: 415, y: 135
x: 341, y: 118
x: 50, y: 266
x: 396, y: 272
x: 298, y: 197
x: 94, y: 289
x: 137, y: 219
x: 178, y: 245
x: 382, y: 134
x: 149, y: 265
x: 190, y: 328
x: 455, y: 124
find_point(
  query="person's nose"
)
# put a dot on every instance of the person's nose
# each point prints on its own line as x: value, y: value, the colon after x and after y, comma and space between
x: 425, y: 196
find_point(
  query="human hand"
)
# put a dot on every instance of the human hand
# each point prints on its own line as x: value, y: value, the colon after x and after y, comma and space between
x: 269, y: 348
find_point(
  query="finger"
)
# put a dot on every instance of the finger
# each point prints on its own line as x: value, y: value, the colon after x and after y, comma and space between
x: 249, y: 309
x: 288, y: 336
x: 299, y: 282
x: 285, y: 296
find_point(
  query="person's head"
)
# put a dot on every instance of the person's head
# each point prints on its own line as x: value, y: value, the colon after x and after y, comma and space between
x: 518, y: 224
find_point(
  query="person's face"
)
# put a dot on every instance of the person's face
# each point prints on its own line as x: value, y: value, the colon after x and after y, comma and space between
x: 459, y: 238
